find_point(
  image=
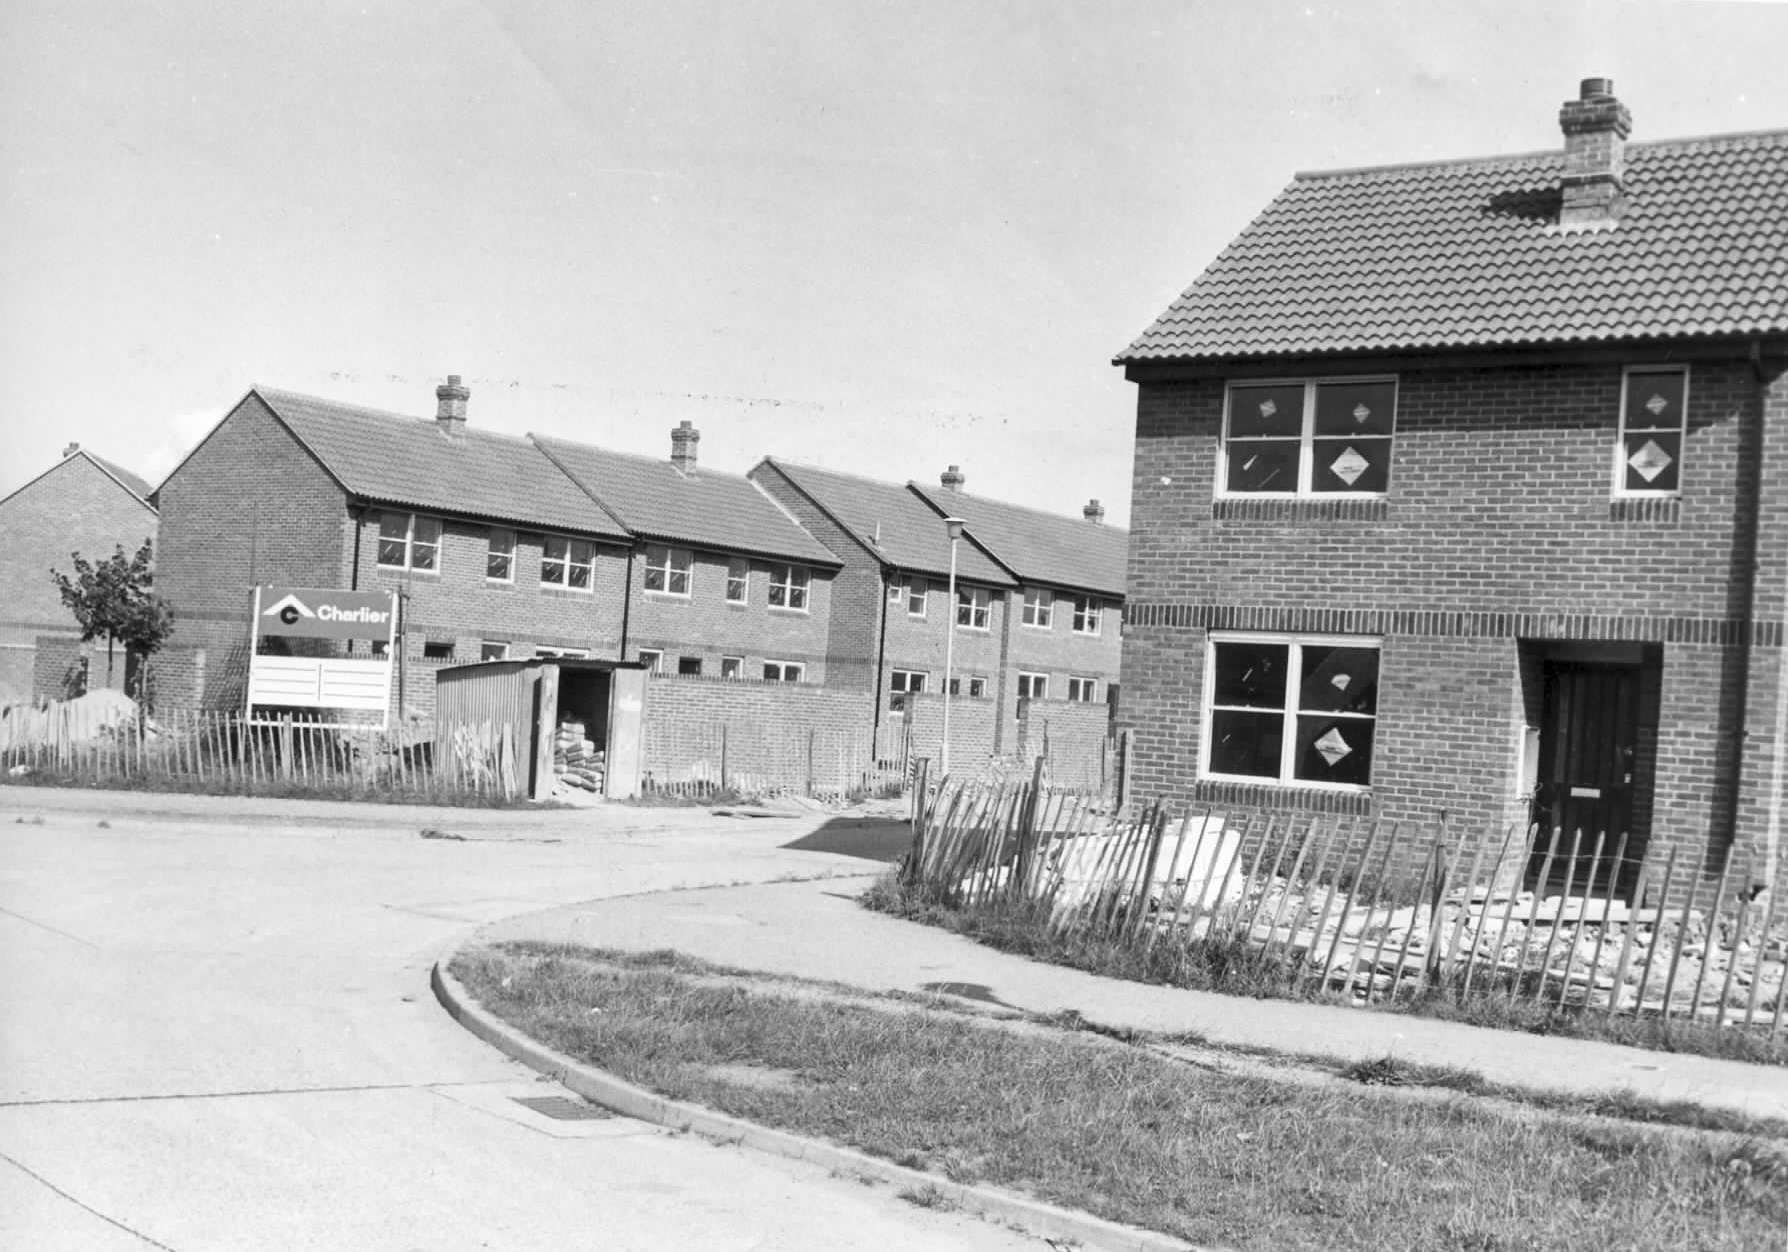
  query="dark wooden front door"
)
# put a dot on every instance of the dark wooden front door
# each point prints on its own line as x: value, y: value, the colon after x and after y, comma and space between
x: 1589, y: 742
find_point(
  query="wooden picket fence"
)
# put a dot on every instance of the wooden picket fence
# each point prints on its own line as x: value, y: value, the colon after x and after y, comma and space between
x: 225, y: 753
x: 1368, y: 910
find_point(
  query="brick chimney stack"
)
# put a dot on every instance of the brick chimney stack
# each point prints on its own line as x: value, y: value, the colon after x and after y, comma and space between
x: 1094, y: 512
x: 450, y: 404
x: 1596, y: 126
x: 70, y: 450
x: 683, y: 443
x: 952, y: 478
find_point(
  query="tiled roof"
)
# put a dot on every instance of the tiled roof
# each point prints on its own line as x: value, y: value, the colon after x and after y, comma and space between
x: 1469, y: 254
x: 1041, y: 547
x: 137, y: 486
x: 410, y: 461
x: 892, y: 522
x: 705, y: 509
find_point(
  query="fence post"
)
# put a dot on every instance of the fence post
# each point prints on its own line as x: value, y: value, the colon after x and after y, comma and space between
x: 810, y: 734
x: 723, y: 761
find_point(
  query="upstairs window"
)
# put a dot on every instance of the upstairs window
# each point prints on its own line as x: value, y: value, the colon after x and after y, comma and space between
x: 732, y: 666
x: 569, y: 563
x: 918, y: 594
x: 667, y: 569
x: 652, y: 659
x: 901, y: 683
x: 1301, y: 711
x: 499, y: 560
x: 1088, y: 615
x: 1039, y: 609
x: 977, y: 687
x: 493, y: 650
x: 738, y: 580
x: 1033, y: 686
x: 974, y: 607
x: 788, y: 587
x: 1084, y: 690
x: 1309, y: 438
x: 1653, y: 408
x: 783, y: 671
x: 408, y: 541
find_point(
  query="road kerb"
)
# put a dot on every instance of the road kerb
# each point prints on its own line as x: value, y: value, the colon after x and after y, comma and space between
x: 624, y: 1098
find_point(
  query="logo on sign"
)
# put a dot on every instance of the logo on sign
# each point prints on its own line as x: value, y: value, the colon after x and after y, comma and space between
x: 288, y: 610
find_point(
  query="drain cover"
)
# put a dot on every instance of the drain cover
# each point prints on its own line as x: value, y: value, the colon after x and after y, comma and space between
x: 562, y: 1109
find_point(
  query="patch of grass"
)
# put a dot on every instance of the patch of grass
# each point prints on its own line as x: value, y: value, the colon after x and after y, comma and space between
x: 1392, y: 1071
x: 1235, y: 1160
x: 1235, y: 967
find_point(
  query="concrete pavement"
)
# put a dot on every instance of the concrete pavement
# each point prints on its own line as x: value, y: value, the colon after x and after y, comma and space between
x: 816, y: 930
x: 217, y: 1033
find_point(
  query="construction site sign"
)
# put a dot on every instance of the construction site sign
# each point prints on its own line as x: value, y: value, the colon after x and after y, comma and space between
x: 350, y: 684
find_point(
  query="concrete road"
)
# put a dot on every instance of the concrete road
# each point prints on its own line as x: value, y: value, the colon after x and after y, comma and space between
x: 216, y: 1032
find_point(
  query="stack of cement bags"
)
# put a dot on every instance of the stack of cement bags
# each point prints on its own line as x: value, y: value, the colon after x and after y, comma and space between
x: 576, y: 760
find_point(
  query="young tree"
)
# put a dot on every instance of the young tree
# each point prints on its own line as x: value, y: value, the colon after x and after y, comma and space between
x: 115, y: 599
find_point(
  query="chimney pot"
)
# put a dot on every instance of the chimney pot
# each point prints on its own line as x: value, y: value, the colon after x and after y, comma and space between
x: 952, y: 478
x: 70, y: 450
x: 450, y: 404
x: 1094, y: 512
x: 683, y: 446
x: 1596, y: 126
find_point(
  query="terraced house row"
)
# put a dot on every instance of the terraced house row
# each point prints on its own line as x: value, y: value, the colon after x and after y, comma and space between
x: 504, y: 547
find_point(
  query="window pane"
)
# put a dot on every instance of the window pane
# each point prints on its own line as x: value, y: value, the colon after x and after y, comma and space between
x: 1251, y: 675
x: 428, y: 530
x: 1266, y: 410
x: 554, y: 547
x: 778, y: 595
x: 1341, y: 680
x: 394, y: 526
x: 580, y: 577
x: 422, y: 555
x: 391, y: 552
x: 679, y: 582
x: 1335, y: 750
x: 1355, y: 408
x: 1246, y: 743
x: 1263, y: 465
x: 1653, y: 461
x: 552, y: 570
x: 1350, y: 464
x: 1654, y: 401
x: 654, y: 579
x: 496, y: 566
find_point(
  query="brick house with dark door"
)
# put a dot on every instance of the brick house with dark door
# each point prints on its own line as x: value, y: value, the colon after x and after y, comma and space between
x: 1463, y: 487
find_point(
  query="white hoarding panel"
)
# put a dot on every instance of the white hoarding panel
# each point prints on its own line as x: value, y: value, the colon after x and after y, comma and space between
x: 320, y: 682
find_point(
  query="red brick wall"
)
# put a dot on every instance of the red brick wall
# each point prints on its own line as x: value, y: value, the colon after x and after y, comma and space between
x: 776, y: 733
x: 1498, y: 527
x: 1071, y: 737
x: 76, y: 507
x: 703, y: 624
x: 973, y: 726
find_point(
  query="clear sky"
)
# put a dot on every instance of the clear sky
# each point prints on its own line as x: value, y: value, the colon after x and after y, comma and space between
x: 882, y: 237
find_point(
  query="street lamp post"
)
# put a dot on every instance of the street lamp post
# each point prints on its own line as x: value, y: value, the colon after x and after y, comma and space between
x: 954, y: 526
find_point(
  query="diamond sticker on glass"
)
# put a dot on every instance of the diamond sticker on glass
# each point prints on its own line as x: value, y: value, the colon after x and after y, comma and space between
x: 1332, y: 746
x: 1349, y: 466
x: 1268, y: 408
x: 1361, y: 413
x: 1341, y: 682
x: 1649, y: 461
x: 1656, y: 405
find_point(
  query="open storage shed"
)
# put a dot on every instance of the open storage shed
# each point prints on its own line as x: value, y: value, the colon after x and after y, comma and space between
x: 573, y: 721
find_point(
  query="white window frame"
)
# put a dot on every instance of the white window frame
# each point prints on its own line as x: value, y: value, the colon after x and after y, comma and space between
x: 1039, y: 609
x: 732, y: 667
x: 976, y: 602
x: 411, y: 543
x: 1294, y: 677
x: 495, y: 550
x: 1306, y: 437
x: 901, y: 684
x: 790, y: 588
x: 786, y: 671
x: 652, y: 659
x: 676, y: 564
x: 918, y: 591
x: 1089, y: 615
x: 977, y: 686
x: 551, y: 652
x: 500, y: 646
x: 738, y: 578
x: 1083, y: 689
x: 1032, y: 685
x: 567, y: 562
x: 1619, y: 482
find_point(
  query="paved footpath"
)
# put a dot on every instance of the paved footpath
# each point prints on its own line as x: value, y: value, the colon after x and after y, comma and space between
x: 816, y: 930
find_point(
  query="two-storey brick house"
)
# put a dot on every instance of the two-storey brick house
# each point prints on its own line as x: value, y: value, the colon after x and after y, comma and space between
x: 1463, y: 487
x: 82, y: 504
x: 495, y: 550
x: 1036, y: 601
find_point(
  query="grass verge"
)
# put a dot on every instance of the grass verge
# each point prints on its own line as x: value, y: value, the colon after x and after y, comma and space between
x: 1237, y: 968
x: 1241, y: 1161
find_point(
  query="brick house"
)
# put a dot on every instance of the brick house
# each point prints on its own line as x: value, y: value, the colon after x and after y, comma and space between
x: 81, y: 504
x: 1464, y: 487
x: 1020, y: 574
x: 494, y: 550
